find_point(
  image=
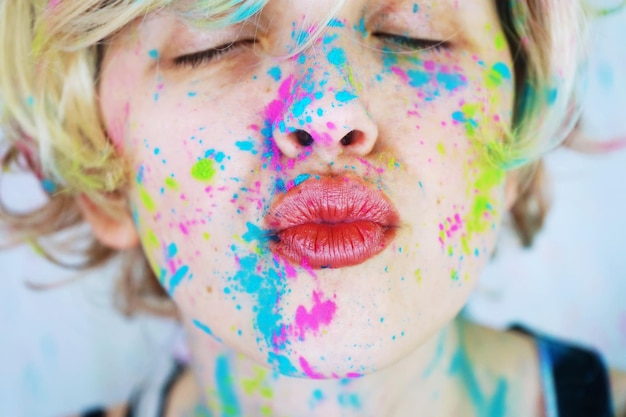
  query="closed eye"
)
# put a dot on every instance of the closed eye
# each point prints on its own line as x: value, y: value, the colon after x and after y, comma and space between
x: 204, y: 57
x: 408, y: 44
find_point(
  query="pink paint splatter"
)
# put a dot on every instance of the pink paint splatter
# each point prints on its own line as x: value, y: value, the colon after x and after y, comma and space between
x: 308, y: 370
x: 321, y: 313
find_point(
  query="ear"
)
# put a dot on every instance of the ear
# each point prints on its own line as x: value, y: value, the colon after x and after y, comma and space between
x: 116, y: 233
x: 511, y: 188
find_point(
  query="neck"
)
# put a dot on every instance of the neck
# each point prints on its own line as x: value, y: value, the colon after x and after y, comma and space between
x: 237, y: 386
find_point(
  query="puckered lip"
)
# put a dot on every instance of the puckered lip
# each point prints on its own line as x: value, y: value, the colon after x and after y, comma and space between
x: 331, y: 221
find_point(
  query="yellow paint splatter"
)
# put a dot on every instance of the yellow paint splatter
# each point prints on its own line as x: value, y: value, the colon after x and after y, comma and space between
x: 441, y: 149
x: 418, y: 275
x: 206, y: 236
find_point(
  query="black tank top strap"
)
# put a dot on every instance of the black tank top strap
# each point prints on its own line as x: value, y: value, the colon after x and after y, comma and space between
x: 580, y: 377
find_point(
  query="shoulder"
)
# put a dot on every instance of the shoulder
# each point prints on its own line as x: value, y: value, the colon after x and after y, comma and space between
x: 183, y: 396
x: 618, y: 389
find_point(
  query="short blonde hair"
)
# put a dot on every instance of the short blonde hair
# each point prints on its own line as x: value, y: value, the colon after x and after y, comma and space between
x: 50, y: 53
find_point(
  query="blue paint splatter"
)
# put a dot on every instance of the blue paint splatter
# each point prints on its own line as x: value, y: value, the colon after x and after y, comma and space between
x: 206, y: 329
x: 245, y: 145
x: 345, y: 96
x: 416, y: 8
x: 337, y: 57
x: 283, y: 364
x: 335, y: 23
x: 153, y: 53
x: 254, y: 233
x: 418, y: 78
x: 450, y: 81
x: 192, y: 94
x: 300, y: 106
x: 226, y: 389
x: 178, y: 277
x: 275, y: 73
x: 172, y: 250
x: 301, y: 178
x: 502, y: 69
x: 484, y: 406
x: 48, y: 186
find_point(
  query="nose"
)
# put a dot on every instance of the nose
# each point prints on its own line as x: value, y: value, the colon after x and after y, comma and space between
x: 326, y: 116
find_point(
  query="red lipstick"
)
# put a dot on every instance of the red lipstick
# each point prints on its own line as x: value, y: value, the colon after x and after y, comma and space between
x: 331, y: 222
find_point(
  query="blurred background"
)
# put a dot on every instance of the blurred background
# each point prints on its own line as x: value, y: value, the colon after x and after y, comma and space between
x: 67, y: 349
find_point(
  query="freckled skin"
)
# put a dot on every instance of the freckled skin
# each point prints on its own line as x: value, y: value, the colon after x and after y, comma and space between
x: 212, y: 147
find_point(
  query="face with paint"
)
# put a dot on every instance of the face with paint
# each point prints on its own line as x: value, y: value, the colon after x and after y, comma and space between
x: 314, y: 193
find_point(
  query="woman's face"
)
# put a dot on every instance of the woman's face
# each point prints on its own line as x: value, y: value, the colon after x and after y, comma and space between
x: 323, y: 213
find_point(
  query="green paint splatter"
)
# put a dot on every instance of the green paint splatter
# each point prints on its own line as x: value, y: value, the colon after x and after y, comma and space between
x: 203, y: 170
x: 441, y: 149
x: 500, y: 42
x: 171, y: 183
x: 147, y: 201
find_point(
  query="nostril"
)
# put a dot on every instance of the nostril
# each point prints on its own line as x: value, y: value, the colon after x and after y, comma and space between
x: 304, y: 138
x: 348, y: 138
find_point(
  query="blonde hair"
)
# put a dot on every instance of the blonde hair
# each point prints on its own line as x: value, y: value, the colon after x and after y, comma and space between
x: 49, y: 62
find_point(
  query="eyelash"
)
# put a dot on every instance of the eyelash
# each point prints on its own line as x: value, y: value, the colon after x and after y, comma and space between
x: 204, y: 57
x: 413, y: 44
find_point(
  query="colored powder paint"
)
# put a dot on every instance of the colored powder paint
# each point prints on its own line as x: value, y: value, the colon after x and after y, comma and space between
x: 300, y: 179
x: 335, y: 23
x: 245, y: 10
x: 416, y: 8
x: 257, y: 384
x: 494, y: 406
x: 254, y: 233
x: 153, y: 53
x: 308, y: 371
x: 321, y: 314
x: 203, y: 170
x: 225, y: 388
x: 498, y: 74
x: 275, y: 73
x: 300, y: 106
x: 192, y: 94
x: 344, y: 96
x: 48, y: 186
x: 245, y: 145
x: 500, y: 42
x: 552, y: 95
x: 172, y: 250
x: 171, y: 183
x: 178, y: 277
x: 418, y: 275
x: 206, y: 329
x: 418, y: 78
x: 283, y: 364
x: 349, y: 400
x: 147, y: 201
x: 451, y: 82
x: 337, y: 57
x: 441, y: 149
x: 438, y: 356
